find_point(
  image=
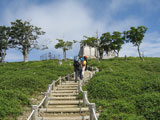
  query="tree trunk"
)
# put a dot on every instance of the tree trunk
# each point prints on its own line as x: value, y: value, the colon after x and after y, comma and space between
x: 2, y: 58
x: 101, y: 54
x: 25, y: 55
x: 118, y: 54
x: 139, y: 52
x: 64, y: 54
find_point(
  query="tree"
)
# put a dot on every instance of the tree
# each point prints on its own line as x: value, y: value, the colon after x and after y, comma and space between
x: 24, y: 37
x: 117, y: 42
x: 105, y: 41
x: 4, y: 41
x: 65, y: 45
x: 135, y: 36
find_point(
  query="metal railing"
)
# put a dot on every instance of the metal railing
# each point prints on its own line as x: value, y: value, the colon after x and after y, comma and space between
x: 92, y: 106
x: 49, y: 56
x: 44, y: 102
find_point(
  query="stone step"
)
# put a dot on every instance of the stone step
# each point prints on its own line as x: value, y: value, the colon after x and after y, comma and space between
x: 65, y: 102
x: 64, y: 94
x: 53, y: 116
x: 62, y: 98
x: 66, y: 88
x: 65, y: 118
x: 64, y: 110
x: 70, y: 82
x: 68, y: 85
x: 65, y: 91
x: 62, y: 106
x: 44, y: 114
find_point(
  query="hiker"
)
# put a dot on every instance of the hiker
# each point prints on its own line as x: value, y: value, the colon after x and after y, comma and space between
x: 85, y: 58
x: 83, y: 66
x: 77, y: 67
x: 81, y: 60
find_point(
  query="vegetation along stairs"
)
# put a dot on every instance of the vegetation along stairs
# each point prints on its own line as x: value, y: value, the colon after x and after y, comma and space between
x: 61, y: 101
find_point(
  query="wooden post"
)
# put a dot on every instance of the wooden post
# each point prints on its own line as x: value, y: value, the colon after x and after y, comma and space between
x: 92, y: 68
x: 125, y: 57
x: 79, y: 85
x: 60, y: 80
x: 84, y: 99
x: 91, y: 107
x: 97, y: 70
x: 68, y: 77
x: 59, y: 62
x: 53, y: 85
x: 64, y: 80
x: 91, y: 75
x: 35, y: 114
x: 49, y: 88
x: 45, y: 104
x: 74, y: 75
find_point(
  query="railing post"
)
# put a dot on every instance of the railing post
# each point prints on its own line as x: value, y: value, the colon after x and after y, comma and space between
x: 35, y: 114
x: 91, y: 107
x: 60, y: 80
x: 53, y: 85
x: 68, y: 77
x: 74, y: 75
x: 79, y: 85
x: 59, y: 62
x: 64, y: 80
x: 92, y: 68
x: 49, y: 89
x: 91, y: 75
x: 97, y: 70
x: 45, y: 104
x: 84, y: 98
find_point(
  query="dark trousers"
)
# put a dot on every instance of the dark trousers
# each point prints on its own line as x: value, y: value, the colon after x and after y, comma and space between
x: 76, y: 75
x: 81, y: 76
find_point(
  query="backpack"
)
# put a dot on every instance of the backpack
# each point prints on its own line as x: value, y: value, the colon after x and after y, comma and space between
x: 76, y: 62
x: 84, y: 62
x: 76, y: 58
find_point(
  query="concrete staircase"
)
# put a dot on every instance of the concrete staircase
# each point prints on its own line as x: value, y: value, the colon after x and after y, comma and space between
x: 63, y: 104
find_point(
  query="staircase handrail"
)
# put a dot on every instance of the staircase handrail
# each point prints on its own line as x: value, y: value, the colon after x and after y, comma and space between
x: 45, y: 98
x: 92, y: 106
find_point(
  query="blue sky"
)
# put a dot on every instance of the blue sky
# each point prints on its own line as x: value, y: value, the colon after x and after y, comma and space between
x: 71, y: 19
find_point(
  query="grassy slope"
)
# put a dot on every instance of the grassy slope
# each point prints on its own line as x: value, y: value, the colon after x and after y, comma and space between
x: 20, y: 81
x: 127, y: 90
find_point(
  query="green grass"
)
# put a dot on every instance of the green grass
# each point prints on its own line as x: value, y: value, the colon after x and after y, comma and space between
x: 126, y: 90
x: 21, y: 81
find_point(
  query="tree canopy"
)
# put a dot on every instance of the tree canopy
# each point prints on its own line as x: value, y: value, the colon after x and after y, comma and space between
x: 135, y: 36
x: 4, y: 41
x: 24, y: 36
x: 65, y: 45
x: 117, y: 42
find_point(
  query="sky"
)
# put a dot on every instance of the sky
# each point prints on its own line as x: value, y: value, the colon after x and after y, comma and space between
x: 72, y: 19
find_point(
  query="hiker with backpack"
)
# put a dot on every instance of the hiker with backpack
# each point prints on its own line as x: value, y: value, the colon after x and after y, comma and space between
x: 85, y: 58
x: 83, y: 65
x: 77, y: 68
